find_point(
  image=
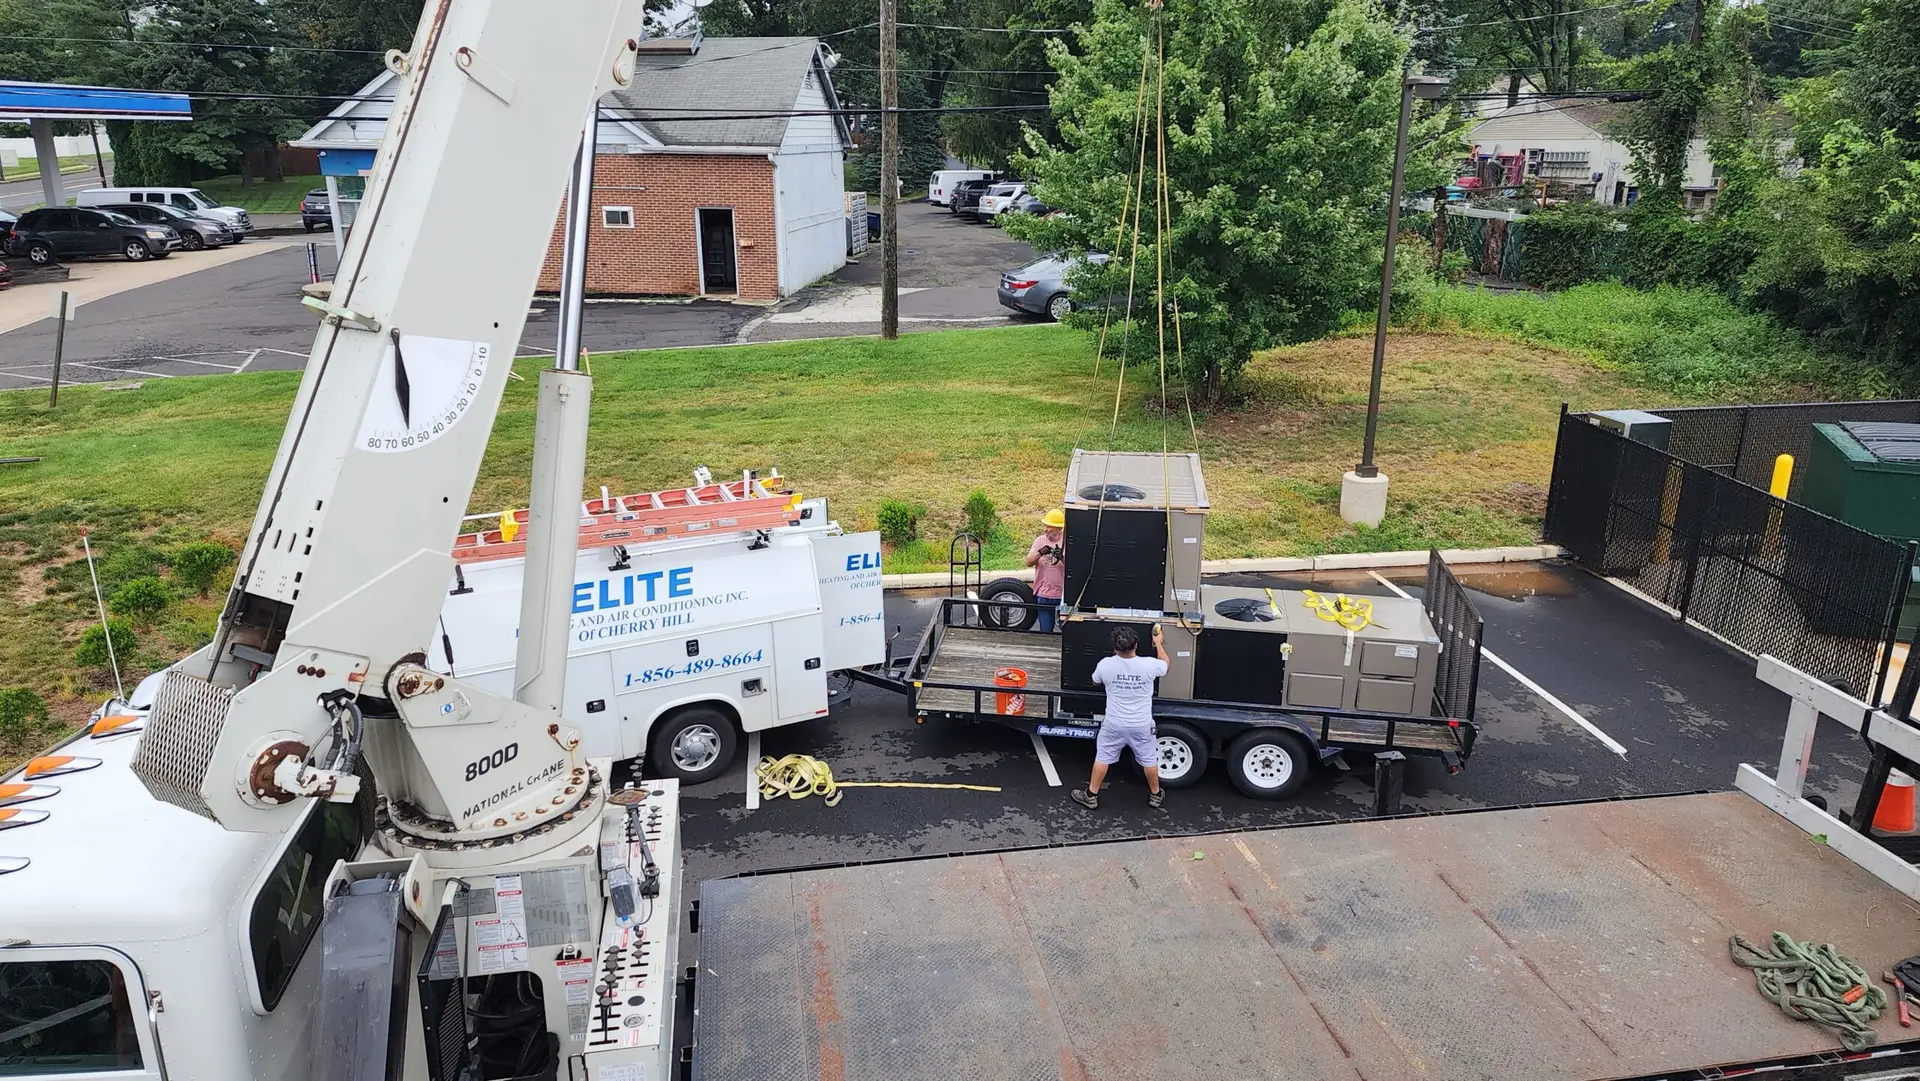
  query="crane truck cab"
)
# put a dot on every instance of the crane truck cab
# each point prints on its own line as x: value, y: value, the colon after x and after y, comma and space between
x: 127, y: 917
x: 679, y: 648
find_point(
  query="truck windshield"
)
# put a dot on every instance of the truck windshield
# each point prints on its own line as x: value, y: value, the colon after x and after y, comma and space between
x: 65, y: 1017
x: 200, y: 199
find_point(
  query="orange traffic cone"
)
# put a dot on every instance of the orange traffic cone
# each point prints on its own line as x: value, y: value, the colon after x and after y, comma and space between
x: 1895, y: 814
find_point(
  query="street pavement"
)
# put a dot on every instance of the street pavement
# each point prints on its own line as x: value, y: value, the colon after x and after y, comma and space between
x: 19, y: 195
x: 246, y: 316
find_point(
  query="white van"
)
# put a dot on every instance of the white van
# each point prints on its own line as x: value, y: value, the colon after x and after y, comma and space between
x: 940, y: 188
x: 192, y: 200
x: 680, y: 648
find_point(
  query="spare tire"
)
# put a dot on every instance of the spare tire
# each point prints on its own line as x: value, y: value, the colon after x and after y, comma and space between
x: 1007, y: 591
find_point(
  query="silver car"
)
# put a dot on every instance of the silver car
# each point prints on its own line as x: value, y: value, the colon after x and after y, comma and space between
x: 196, y: 233
x: 1040, y: 287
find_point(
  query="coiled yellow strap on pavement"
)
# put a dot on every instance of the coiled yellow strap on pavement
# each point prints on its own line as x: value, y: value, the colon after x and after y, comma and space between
x: 798, y: 776
x: 1351, y: 613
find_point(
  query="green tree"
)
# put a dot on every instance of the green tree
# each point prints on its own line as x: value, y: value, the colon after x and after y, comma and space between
x: 1280, y: 118
x: 219, y: 49
x: 196, y: 565
x: 22, y: 712
x: 142, y: 599
x: 92, y: 650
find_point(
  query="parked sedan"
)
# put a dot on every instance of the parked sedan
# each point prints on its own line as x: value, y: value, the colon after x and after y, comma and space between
x: 316, y: 211
x: 52, y: 233
x: 966, y: 198
x: 7, y: 218
x: 1040, y: 287
x: 1029, y: 204
x: 196, y: 233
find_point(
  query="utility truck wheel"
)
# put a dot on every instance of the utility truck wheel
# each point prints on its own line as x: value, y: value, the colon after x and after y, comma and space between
x: 1183, y: 754
x: 1268, y: 763
x: 1004, y: 591
x: 696, y: 744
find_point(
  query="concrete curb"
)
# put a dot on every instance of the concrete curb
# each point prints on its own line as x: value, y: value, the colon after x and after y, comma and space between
x: 1525, y: 553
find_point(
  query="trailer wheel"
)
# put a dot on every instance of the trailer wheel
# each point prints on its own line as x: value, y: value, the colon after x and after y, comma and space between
x: 1268, y: 763
x: 696, y: 744
x: 1007, y: 591
x: 1183, y: 754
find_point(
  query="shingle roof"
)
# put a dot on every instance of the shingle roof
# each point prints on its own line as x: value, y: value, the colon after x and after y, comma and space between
x: 732, y: 75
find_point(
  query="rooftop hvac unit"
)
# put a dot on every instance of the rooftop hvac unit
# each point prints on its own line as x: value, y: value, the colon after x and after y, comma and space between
x: 1135, y: 521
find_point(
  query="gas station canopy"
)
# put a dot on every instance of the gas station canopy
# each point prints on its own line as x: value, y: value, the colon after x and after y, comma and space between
x: 40, y: 104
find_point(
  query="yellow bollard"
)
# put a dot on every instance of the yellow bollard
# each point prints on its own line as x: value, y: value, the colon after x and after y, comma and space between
x: 1782, y: 480
x: 1782, y: 476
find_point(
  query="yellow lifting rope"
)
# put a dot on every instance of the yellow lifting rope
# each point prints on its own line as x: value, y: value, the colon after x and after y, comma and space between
x: 1351, y: 613
x: 798, y: 776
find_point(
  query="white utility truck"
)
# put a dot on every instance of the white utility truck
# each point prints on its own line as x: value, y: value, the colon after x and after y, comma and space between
x: 680, y: 645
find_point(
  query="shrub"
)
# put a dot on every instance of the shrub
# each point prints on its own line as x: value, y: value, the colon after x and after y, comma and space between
x: 92, y: 650
x: 141, y: 598
x: 197, y: 565
x: 982, y: 516
x: 900, y: 520
x: 21, y: 712
x: 122, y: 565
x: 1566, y: 246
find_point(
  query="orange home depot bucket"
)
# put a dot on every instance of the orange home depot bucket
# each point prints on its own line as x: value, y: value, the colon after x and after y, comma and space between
x: 1895, y: 814
x: 1010, y: 703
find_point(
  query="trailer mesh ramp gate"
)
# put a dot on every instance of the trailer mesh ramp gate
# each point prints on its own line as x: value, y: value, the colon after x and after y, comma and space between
x: 1578, y: 941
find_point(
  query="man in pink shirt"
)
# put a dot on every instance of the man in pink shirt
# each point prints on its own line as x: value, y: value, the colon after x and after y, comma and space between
x: 1048, y: 558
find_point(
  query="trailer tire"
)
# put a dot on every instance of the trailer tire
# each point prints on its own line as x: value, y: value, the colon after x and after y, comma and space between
x: 1008, y: 591
x: 1268, y: 763
x: 1183, y: 754
x: 696, y: 745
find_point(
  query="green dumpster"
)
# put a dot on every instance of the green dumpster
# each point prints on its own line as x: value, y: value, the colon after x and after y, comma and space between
x: 1867, y: 474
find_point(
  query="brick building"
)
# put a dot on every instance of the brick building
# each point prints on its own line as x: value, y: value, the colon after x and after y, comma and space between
x: 697, y: 190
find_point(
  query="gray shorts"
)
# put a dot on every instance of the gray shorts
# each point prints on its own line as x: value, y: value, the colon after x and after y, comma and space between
x: 1146, y: 747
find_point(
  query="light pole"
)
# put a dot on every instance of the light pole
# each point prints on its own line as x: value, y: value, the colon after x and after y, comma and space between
x: 1363, y: 491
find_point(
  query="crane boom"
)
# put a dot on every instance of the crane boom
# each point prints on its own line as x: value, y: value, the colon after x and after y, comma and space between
x: 322, y: 640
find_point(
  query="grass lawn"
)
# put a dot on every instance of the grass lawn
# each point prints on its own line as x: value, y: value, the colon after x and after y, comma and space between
x: 261, y: 197
x: 29, y: 168
x: 1466, y: 434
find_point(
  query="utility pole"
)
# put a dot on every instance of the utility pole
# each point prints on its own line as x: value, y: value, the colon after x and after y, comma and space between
x: 889, y: 172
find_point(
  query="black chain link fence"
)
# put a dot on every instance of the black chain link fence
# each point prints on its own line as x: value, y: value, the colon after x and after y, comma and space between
x: 1766, y: 574
x: 1743, y: 440
x: 1458, y: 623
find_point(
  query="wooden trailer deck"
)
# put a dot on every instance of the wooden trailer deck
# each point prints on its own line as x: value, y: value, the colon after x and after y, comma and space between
x: 1548, y: 944
x: 971, y: 655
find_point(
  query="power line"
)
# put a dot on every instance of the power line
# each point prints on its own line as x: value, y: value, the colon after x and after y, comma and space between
x: 1574, y: 14
x: 199, y: 45
x: 984, y: 29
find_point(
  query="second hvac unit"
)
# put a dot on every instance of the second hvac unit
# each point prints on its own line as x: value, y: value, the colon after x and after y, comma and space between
x: 1134, y: 526
x: 1086, y: 638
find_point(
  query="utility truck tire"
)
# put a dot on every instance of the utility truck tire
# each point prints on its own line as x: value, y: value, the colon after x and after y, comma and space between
x: 1005, y: 591
x: 1183, y: 754
x: 697, y: 744
x: 1268, y: 763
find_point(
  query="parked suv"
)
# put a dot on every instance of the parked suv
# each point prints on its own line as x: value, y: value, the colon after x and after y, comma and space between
x: 52, y: 233
x: 196, y: 233
x: 192, y: 200
x: 315, y: 210
x: 966, y: 197
x: 997, y: 199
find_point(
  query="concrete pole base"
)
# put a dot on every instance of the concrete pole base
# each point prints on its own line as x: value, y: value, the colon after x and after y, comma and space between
x: 1363, y: 500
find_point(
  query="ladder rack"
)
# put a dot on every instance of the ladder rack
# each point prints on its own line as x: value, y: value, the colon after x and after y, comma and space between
x: 735, y: 506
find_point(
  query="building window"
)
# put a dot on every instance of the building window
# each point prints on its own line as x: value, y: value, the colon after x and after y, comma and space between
x: 616, y: 217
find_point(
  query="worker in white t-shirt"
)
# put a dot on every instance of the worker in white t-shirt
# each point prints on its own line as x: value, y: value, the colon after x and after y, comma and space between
x: 1128, y: 679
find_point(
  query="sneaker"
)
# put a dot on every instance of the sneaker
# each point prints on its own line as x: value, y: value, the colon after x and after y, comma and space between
x: 1155, y: 799
x: 1086, y: 799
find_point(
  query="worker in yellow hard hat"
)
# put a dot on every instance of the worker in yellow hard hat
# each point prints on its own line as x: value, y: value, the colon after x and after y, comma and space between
x: 1048, y: 558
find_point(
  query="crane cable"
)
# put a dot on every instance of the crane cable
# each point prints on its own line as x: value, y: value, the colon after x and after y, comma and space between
x: 798, y: 776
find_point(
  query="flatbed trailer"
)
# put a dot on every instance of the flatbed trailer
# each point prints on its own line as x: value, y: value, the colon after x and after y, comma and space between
x: 1268, y: 749
x: 1572, y: 942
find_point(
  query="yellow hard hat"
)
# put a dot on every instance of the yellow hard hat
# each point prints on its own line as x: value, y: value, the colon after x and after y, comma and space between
x: 1054, y: 519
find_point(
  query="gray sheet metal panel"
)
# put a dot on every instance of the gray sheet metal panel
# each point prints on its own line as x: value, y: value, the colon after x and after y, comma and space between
x: 1544, y: 944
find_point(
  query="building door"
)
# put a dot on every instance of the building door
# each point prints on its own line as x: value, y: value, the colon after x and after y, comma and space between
x: 717, y: 271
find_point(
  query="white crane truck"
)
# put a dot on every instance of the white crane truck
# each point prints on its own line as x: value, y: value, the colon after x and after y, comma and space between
x: 319, y: 858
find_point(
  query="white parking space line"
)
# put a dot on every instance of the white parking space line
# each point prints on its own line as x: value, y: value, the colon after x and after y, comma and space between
x: 251, y: 357
x: 753, y: 766
x: 1046, y: 760
x: 120, y: 371
x: 202, y: 363
x: 1545, y: 695
x: 22, y: 375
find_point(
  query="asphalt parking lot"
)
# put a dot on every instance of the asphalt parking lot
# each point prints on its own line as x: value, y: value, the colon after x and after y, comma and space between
x: 1686, y: 708
x: 246, y: 315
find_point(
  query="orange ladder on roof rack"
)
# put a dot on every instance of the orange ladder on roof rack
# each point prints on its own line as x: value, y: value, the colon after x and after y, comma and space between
x: 706, y: 509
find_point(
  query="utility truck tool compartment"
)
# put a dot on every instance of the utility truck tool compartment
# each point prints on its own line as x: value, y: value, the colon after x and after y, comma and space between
x: 1567, y: 942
